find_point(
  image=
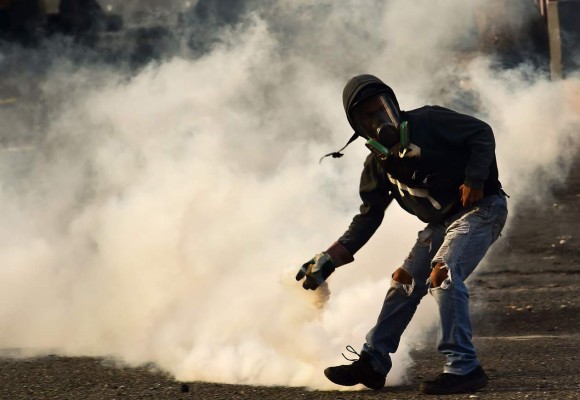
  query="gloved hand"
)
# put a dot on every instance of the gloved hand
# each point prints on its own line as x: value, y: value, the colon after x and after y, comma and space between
x: 316, y: 271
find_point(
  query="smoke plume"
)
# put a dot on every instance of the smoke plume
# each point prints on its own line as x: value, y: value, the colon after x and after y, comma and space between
x: 160, y: 215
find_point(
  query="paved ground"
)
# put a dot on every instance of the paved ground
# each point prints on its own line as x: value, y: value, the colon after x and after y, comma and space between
x: 526, y: 323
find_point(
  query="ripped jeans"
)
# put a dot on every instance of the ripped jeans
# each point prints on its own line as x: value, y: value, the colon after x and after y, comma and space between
x: 459, y: 242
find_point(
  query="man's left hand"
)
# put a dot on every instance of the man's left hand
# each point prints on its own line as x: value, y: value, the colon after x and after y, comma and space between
x: 469, y: 195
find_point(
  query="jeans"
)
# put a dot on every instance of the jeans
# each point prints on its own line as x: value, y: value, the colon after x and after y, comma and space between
x: 459, y: 243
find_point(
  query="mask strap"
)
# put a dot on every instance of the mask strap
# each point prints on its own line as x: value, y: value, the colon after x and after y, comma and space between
x: 338, y: 154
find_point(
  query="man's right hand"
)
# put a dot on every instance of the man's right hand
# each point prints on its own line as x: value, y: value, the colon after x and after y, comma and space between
x: 469, y: 196
x: 316, y: 271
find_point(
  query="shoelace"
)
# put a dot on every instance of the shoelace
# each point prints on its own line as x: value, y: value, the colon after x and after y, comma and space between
x: 351, y: 350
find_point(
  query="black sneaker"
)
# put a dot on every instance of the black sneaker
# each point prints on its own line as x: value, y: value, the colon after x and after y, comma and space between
x: 360, y: 371
x: 450, y: 383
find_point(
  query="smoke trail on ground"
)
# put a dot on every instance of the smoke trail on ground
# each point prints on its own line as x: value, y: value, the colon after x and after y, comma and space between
x: 160, y: 217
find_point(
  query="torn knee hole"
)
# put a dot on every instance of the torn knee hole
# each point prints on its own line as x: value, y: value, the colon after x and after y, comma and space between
x: 402, y: 276
x: 425, y: 242
x: 438, y: 274
x: 425, y: 237
x: 403, y: 281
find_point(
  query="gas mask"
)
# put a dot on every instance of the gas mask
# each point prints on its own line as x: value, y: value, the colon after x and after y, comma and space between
x: 377, y: 119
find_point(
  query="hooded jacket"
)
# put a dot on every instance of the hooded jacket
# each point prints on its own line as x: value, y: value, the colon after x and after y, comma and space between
x: 447, y: 149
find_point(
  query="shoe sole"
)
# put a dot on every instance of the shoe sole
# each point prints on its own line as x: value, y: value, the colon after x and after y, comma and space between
x: 374, y: 387
x: 337, y: 383
x: 468, y: 387
x: 327, y: 374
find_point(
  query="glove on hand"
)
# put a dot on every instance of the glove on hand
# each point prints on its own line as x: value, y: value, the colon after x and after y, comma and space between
x: 316, y: 271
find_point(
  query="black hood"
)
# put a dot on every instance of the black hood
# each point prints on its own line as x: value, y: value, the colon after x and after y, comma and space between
x: 361, y: 87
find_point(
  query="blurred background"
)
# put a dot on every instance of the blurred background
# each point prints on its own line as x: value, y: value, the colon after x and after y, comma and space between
x: 131, y: 34
x: 142, y: 30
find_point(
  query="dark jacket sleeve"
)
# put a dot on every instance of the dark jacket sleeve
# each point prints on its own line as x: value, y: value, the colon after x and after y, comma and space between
x: 470, y: 133
x: 375, y: 194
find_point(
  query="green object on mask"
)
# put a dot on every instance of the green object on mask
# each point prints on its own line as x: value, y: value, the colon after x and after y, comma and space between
x: 404, y: 142
x: 383, y: 152
x: 378, y: 149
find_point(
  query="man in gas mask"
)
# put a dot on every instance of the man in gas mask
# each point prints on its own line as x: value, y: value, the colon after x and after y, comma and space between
x: 440, y: 166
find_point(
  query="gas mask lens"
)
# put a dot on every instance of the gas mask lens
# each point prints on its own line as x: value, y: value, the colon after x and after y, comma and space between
x: 377, y: 118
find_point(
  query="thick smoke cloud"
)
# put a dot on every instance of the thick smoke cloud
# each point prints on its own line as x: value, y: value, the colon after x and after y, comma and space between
x: 160, y: 216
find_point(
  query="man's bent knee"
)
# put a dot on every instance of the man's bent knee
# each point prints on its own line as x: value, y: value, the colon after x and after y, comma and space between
x: 438, y: 274
x: 403, y: 282
x: 402, y: 276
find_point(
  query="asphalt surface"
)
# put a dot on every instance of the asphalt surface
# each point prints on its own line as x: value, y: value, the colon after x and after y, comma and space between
x: 526, y: 327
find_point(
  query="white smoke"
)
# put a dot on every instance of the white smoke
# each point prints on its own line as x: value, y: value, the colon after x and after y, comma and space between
x: 162, y: 218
